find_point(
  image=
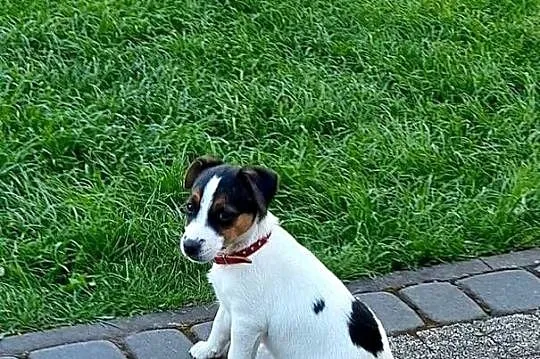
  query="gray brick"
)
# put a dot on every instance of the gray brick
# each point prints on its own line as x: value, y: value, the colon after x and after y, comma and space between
x: 202, y: 331
x: 14, y: 345
x: 400, y: 279
x: 365, y: 285
x: 64, y: 335
x: 87, y: 350
x: 393, y: 313
x: 442, y: 302
x: 505, y: 292
x: 449, y: 271
x: 159, y: 344
x: 514, y: 260
x: 167, y: 319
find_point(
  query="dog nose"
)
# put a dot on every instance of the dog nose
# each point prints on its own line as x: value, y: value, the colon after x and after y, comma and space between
x: 192, y: 247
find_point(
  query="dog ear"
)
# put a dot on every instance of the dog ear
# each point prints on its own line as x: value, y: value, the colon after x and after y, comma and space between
x: 263, y: 183
x: 200, y: 164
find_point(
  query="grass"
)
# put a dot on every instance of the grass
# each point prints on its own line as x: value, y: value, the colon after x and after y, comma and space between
x: 405, y: 133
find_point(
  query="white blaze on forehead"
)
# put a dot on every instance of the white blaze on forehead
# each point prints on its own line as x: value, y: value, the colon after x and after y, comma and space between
x: 207, y: 199
x: 199, y: 230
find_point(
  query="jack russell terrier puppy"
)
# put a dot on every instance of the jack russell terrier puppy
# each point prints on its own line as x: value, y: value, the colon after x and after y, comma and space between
x: 271, y: 289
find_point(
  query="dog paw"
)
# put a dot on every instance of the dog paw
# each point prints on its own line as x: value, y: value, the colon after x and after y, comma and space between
x: 202, y: 350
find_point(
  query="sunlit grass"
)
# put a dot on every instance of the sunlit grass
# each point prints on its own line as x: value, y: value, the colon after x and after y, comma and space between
x: 405, y: 133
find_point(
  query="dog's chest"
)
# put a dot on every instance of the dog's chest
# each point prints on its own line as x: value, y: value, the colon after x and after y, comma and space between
x: 235, y: 284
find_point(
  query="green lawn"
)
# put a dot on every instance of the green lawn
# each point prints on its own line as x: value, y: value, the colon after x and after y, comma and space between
x: 405, y: 132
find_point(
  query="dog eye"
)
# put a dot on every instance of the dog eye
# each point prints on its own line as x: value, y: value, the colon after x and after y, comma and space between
x: 226, y: 217
x: 189, y: 208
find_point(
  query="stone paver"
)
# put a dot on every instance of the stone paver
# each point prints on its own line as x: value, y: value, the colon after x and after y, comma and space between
x: 505, y: 292
x: 202, y: 331
x: 105, y: 329
x: 393, y: 313
x: 442, y: 302
x: 58, y: 336
x: 159, y: 344
x: 514, y: 260
x: 98, y: 349
x: 167, y: 319
x: 400, y: 279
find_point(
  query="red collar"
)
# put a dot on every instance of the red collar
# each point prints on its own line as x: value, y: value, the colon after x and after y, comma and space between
x: 242, y: 255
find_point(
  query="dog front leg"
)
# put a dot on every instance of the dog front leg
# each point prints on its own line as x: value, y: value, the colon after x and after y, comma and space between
x: 245, y: 339
x: 218, y: 340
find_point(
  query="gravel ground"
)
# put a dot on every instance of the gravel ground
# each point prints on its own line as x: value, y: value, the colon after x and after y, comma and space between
x: 511, y: 337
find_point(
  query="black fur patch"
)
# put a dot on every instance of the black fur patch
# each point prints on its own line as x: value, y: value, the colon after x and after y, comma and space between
x: 363, y: 329
x: 241, y: 195
x: 318, y: 305
x: 238, y: 195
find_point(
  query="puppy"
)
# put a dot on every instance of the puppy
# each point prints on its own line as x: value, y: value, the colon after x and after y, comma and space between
x: 271, y: 290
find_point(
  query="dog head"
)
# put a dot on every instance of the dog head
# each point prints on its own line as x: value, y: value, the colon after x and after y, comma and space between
x: 225, y: 202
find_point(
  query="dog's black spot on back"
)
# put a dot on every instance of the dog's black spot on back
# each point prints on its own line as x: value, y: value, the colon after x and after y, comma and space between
x: 363, y: 328
x: 318, y: 305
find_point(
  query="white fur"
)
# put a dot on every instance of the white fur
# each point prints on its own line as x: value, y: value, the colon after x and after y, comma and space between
x: 198, y: 228
x: 271, y: 302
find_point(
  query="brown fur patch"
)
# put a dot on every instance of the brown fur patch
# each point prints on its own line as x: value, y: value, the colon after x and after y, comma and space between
x: 239, y: 227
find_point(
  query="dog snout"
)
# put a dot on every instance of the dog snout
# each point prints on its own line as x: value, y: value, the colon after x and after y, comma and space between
x: 192, y: 247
